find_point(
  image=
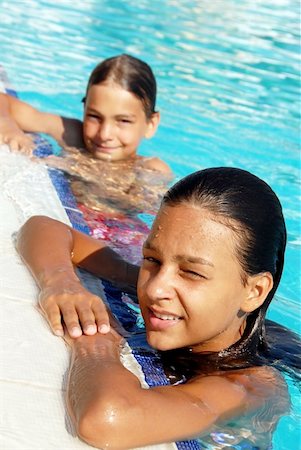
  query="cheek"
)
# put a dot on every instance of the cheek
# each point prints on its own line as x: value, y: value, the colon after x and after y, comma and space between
x: 142, y: 286
x: 141, y: 282
x: 134, y: 134
x: 89, y: 129
x: 223, y: 315
x: 130, y: 137
x: 212, y: 309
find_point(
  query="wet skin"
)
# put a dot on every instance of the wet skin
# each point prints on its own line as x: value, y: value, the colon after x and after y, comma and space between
x: 190, y: 285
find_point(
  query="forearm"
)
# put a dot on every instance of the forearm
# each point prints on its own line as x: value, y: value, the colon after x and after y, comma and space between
x: 99, y: 387
x: 31, y: 119
x: 4, y: 106
x: 95, y: 366
x: 108, y: 264
x: 8, y: 123
x: 51, y: 248
x: 46, y: 247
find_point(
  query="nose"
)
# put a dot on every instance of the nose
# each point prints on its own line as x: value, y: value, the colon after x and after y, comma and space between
x: 160, y: 285
x: 106, y: 130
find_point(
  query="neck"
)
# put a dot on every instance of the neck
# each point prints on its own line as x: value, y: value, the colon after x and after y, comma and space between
x: 223, y: 341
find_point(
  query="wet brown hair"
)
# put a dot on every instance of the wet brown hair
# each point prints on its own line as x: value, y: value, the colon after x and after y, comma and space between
x: 130, y: 73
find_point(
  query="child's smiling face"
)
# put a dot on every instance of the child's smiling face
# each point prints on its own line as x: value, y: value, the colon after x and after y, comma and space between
x: 115, y: 122
x: 190, y: 286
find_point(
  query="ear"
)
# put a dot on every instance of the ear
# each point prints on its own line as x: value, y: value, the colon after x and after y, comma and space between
x: 258, y: 289
x: 152, y: 125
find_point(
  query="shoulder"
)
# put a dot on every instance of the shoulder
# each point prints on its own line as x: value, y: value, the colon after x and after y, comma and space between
x: 263, y: 381
x: 245, y: 389
x: 156, y: 164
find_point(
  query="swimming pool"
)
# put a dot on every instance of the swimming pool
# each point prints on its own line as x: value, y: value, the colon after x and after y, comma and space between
x: 228, y: 78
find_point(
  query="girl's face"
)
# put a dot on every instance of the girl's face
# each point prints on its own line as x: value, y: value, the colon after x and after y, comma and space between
x: 115, y: 122
x: 190, y: 288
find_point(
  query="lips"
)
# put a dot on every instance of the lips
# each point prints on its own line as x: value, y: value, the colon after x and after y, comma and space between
x: 165, y: 316
x: 103, y: 149
x: 161, y: 321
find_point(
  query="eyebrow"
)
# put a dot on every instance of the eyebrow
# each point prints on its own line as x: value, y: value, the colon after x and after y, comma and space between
x: 192, y: 259
x: 195, y: 260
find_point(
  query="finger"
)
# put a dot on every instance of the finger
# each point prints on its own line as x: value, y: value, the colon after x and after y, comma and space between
x: 71, y: 321
x: 53, y: 316
x: 13, y: 144
x: 25, y: 148
x: 101, y: 317
x: 28, y: 146
x: 87, y: 319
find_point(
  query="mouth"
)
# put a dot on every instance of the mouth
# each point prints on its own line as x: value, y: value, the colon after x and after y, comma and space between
x: 162, y: 321
x: 166, y: 316
x: 105, y: 149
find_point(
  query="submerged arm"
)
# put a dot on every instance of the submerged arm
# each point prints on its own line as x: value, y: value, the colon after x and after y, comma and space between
x: 105, y: 400
x: 50, y: 248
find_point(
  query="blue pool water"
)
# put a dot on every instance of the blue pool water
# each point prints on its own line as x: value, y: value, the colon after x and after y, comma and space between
x: 228, y: 75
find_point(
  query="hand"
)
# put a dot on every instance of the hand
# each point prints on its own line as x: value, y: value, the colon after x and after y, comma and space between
x: 14, y: 137
x: 73, y: 307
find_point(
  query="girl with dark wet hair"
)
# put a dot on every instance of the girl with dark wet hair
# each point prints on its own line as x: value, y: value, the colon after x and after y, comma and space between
x: 251, y: 209
x: 211, y: 265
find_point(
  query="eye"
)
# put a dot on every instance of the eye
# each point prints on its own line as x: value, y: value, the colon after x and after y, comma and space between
x: 92, y: 117
x: 193, y: 275
x: 150, y: 259
x: 125, y: 121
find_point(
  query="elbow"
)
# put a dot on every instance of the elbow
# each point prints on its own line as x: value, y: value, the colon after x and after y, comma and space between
x: 104, y: 426
x: 35, y: 221
x: 32, y: 224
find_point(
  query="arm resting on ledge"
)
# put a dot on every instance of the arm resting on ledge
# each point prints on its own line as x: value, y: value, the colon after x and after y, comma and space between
x: 50, y: 249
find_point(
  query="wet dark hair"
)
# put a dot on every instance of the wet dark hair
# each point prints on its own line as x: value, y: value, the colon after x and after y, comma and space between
x: 252, y: 210
x: 131, y: 74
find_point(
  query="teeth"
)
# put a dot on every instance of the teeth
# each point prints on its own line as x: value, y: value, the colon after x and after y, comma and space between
x: 165, y: 316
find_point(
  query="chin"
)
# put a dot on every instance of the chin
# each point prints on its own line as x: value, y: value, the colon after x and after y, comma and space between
x: 160, y: 344
x: 102, y: 156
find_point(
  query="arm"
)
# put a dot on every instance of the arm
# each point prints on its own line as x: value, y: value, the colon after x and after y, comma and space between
x: 105, y: 400
x: 17, y: 116
x: 10, y: 132
x: 50, y: 248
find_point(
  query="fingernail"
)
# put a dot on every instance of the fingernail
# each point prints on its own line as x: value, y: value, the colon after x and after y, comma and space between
x: 91, y: 329
x: 104, y: 329
x: 76, y: 332
x: 59, y: 333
